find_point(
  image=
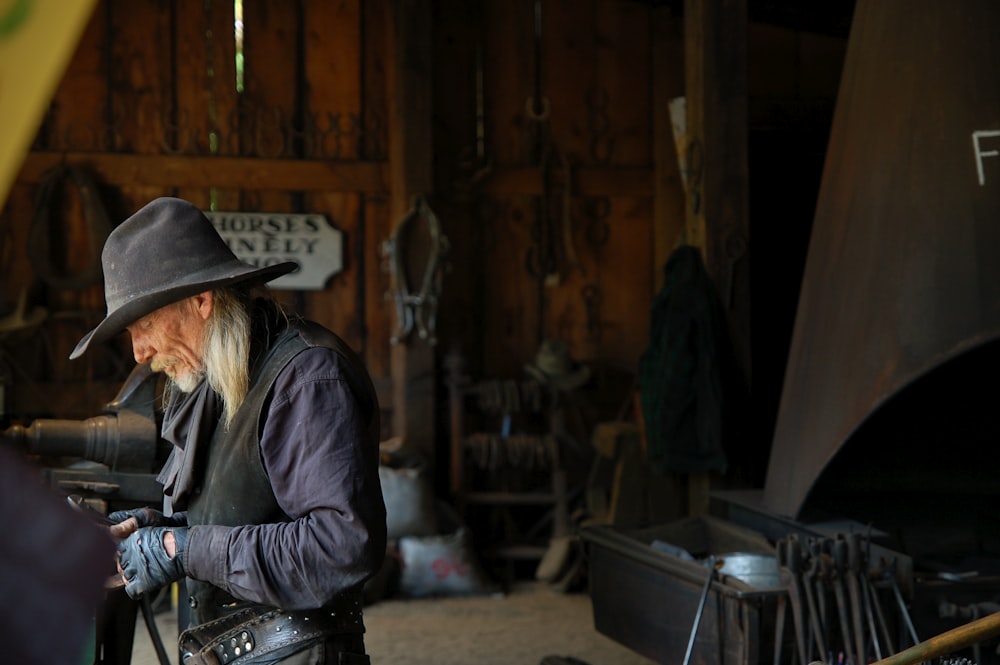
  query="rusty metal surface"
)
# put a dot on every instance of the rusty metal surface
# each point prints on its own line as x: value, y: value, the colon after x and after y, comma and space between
x: 902, y: 272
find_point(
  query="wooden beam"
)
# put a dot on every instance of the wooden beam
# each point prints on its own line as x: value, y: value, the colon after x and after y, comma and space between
x: 216, y: 171
x: 715, y: 38
x: 715, y: 50
x: 586, y: 181
x: 315, y: 175
x: 411, y: 167
x: 668, y: 190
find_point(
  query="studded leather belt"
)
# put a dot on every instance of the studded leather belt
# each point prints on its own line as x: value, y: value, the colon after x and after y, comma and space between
x: 244, y: 636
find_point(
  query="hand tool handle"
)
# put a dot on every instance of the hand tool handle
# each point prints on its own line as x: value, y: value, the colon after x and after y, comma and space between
x: 948, y: 642
x: 712, y: 563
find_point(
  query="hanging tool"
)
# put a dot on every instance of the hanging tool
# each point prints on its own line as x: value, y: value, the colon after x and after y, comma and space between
x: 779, y: 626
x: 821, y: 558
x: 713, y: 563
x: 789, y: 556
x: 839, y: 549
x: 553, y: 247
x: 809, y: 577
x: 537, y: 108
x: 558, y: 185
x: 591, y: 294
x: 43, y: 233
x: 880, y: 619
x: 541, y: 261
x: 879, y: 627
x: 890, y: 575
x: 416, y: 309
x: 869, y: 614
x: 475, y: 165
x: 947, y: 642
x: 853, y: 570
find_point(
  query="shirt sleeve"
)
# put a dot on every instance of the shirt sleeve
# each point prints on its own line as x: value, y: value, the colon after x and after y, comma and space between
x: 323, y: 469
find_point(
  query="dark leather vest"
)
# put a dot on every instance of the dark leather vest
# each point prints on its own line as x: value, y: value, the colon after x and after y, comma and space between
x: 235, y: 490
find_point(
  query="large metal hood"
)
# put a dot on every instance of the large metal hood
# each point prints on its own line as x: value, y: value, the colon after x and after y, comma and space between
x: 903, y: 268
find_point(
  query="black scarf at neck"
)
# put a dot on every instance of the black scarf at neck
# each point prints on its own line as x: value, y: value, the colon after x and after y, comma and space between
x: 190, y: 419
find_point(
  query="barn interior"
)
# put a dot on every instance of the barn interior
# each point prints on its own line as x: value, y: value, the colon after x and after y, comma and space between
x: 532, y: 219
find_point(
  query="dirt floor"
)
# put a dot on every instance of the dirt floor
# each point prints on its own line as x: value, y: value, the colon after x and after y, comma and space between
x: 522, y: 627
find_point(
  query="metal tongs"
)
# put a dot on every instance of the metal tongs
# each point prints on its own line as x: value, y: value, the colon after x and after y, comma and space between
x: 115, y: 581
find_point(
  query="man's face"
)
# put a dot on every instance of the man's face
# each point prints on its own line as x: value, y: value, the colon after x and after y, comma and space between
x: 172, y: 340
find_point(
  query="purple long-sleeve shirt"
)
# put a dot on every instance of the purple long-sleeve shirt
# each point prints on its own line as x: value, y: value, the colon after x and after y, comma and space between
x: 323, y: 468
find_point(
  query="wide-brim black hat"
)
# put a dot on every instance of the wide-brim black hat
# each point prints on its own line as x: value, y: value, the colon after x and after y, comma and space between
x: 165, y: 252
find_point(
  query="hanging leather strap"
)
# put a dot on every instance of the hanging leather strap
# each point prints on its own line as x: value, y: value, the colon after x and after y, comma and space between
x: 43, y: 228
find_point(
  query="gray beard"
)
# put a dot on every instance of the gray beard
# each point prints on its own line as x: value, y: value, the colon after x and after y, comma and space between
x: 186, y: 383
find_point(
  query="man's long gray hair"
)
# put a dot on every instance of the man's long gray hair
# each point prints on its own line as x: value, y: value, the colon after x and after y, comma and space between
x: 227, y: 349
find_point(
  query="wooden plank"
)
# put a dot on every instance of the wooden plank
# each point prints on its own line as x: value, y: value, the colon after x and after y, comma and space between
x: 715, y: 77
x: 77, y: 120
x: 141, y: 86
x: 250, y: 173
x: 379, y: 320
x: 410, y: 164
x: 461, y: 76
x: 668, y: 83
x: 206, y: 122
x: 614, y: 229
x: 270, y: 109
x: 379, y: 313
x: 510, y: 316
x: 15, y: 269
x: 508, y: 307
x: 569, y: 63
x: 78, y: 102
x: 191, y: 126
x: 587, y: 181
x: 624, y: 71
x: 332, y: 54
x: 510, y: 63
x: 270, y: 106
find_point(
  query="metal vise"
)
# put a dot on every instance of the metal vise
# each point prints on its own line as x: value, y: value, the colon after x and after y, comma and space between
x: 124, y: 441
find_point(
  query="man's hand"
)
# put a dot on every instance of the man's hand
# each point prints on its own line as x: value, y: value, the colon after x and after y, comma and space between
x: 128, y: 521
x: 152, y: 557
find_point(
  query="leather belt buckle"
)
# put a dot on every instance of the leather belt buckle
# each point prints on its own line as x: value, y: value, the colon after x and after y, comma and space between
x: 239, y: 644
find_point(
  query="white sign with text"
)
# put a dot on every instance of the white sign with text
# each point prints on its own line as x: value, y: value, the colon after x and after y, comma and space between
x: 267, y: 238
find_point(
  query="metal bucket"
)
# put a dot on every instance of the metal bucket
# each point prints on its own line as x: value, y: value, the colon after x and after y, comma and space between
x: 758, y: 570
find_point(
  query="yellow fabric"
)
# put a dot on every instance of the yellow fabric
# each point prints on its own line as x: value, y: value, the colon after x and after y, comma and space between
x: 37, y: 39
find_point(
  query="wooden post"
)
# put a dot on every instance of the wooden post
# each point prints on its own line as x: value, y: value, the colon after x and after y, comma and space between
x: 668, y: 192
x: 412, y: 366
x: 715, y: 48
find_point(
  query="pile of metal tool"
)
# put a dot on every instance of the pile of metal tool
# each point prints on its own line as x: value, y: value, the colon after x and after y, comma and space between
x: 846, y: 606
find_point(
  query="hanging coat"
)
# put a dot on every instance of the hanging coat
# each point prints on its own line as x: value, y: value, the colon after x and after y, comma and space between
x: 681, y: 372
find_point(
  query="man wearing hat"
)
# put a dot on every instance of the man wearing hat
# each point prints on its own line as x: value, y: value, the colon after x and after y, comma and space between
x: 273, y: 509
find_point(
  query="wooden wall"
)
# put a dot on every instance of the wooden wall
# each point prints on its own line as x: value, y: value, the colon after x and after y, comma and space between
x: 572, y: 260
x: 149, y: 105
x: 553, y: 167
